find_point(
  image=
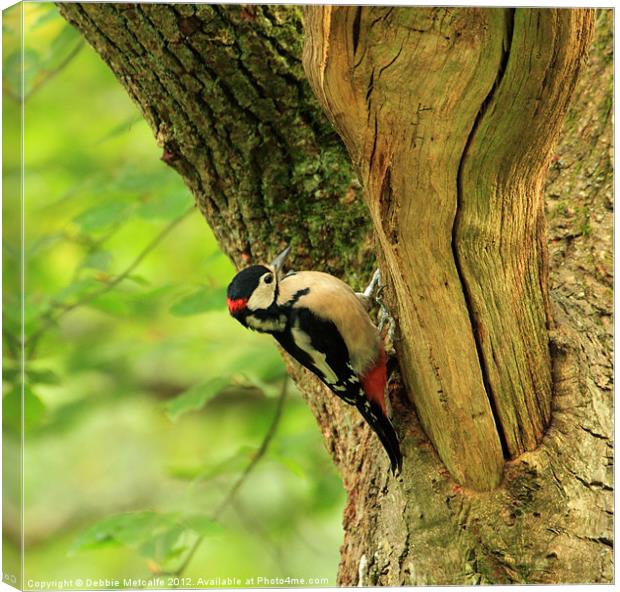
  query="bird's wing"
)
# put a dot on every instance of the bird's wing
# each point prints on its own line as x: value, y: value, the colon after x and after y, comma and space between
x: 333, y: 300
x: 316, y: 344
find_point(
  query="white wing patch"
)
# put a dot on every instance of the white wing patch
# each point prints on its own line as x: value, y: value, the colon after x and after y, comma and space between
x: 352, y: 378
x: 303, y: 342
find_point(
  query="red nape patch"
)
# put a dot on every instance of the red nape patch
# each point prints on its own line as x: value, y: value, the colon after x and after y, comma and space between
x: 236, y: 305
x: 373, y: 382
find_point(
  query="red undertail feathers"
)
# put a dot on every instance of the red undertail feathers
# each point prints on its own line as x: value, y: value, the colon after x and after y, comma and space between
x: 375, y: 379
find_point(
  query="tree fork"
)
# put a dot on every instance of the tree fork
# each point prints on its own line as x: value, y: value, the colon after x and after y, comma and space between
x: 450, y: 115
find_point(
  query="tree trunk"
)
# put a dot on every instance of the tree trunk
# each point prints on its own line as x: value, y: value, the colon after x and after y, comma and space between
x: 452, y: 168
x: 450, y: 122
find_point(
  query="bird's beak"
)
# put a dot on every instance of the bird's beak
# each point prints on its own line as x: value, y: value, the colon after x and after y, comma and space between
x: 278, y: 262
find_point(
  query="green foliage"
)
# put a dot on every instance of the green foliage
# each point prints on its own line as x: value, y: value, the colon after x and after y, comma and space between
x: 203, y: 299
x: 195, y: 397
x: 101, y: 217
x: 158, y: 537
x: 33, y: 408
x: 144, y: 401
x: 40, y: 60
x: 230, y: 465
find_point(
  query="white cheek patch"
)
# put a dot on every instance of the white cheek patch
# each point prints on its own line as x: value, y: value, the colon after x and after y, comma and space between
x: 303, y: 342
x: 262, y: 297
x: 266, y: 325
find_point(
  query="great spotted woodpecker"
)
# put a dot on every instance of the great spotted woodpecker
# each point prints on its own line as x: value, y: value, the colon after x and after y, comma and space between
x: 321, y: 322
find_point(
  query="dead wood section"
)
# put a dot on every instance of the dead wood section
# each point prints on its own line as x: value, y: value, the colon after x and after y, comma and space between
x: 450, y: 116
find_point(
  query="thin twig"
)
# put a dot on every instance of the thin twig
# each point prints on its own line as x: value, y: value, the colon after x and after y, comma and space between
x: 48, y: 75
x: 259, y: 453
x: 9, y: 92
x: 241, y: 479
x: 53, y: 319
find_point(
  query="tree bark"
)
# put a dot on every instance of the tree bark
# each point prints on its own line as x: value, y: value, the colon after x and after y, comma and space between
x: 452, y: 167
x: 224, y: 92
x: 452, y: 177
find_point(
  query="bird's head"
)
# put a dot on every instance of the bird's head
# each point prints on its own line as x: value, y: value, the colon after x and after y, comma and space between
x: 255, y: 288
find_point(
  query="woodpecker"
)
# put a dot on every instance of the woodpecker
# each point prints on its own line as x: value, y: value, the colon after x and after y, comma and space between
x: 321, y: 322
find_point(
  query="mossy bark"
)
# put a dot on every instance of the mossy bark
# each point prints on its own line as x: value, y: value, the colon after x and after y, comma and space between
x: 224, y: 91
x: 225, y: 94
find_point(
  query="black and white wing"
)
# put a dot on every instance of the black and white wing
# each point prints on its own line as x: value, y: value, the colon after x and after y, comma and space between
x: 316, y: 344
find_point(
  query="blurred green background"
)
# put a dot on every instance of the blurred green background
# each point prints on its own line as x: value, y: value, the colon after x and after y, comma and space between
x: 145, y: 402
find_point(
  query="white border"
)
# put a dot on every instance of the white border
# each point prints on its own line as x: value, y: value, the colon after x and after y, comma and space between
x: 498, y: 3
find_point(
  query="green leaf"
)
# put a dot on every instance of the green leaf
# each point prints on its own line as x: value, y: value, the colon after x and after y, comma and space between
x: 11, y: 317
x: 121, y: 128
x: 146, y: 303
x: 98, y: 260
x: 166, y: 205
x: 262, y: 367
x: 34, y: 409
x: 130, y: 529
x: 43, y: 244
x: 158, y: 536
x: 194, y: 398
x: 289, y: 463
x: 138, y: 279
x: 97, y: 535
x: 64, y: 42
x: 11, y: 370
x: 233, y: 464
x: 44, y: 376
x: 50, y: 13
x: 184, y: 472
x: 203, y: 300
x: 12, y: 71
x: 132, y: 181
x: 77, y: 289
x: 112, y: 302
x: 102, y: 216
x: 32, y: 67
x: 166, y: 544
x: 203, y: 525
x: 12, y: 409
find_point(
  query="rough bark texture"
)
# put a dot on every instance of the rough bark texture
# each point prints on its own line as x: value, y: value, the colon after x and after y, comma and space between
x: 451, y: 124
x: 223, y: 89
x: 225, y: 93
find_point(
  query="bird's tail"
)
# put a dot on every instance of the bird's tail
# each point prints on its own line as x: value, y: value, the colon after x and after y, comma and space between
x: 384, y: 429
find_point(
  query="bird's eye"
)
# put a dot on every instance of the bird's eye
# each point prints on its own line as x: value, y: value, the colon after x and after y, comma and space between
x: 268, y: 278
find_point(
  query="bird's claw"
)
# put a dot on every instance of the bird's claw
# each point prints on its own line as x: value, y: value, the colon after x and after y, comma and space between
x: 374, y: 293
x: 374, y: 286
x: 369, y: 294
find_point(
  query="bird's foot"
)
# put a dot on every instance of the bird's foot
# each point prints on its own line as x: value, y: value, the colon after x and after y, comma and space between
x: 374, y: 286
x: 374, y: 294
x: 370, y: 293
x: 387, y: 327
